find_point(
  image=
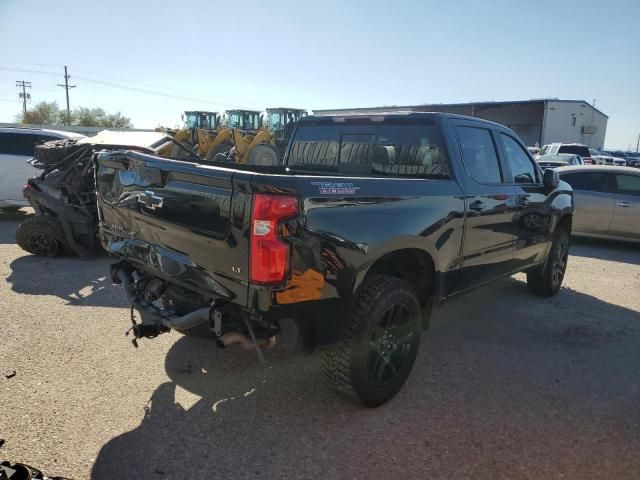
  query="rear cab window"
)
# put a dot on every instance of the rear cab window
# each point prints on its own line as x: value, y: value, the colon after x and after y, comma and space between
x: 576, y: 150
x: 370, y: 148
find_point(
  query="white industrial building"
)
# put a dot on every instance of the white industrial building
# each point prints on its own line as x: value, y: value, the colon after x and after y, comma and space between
x: 539, y: 121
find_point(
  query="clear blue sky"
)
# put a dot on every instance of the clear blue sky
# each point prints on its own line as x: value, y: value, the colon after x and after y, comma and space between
x: 322, y: 54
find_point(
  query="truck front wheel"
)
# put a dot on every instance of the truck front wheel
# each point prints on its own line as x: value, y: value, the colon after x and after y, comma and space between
x: 380, y: 342
x: 547, y: 279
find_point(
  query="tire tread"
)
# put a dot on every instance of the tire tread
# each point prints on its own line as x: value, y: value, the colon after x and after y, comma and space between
x: 41, y: 223
x: 337, y: 362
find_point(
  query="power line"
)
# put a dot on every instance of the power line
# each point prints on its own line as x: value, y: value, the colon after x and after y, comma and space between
x: 189, y: 92
x: 22, y: 70
x: 24, y: 95
x: 200, y: 97
x: 67, y: 87
x: 151, y: 92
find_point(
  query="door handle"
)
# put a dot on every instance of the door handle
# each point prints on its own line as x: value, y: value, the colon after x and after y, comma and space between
x: 477, y: 206
x: 623, y: 204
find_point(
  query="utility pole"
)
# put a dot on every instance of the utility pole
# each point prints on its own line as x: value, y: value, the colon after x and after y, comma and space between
x: 638, y: 143
x: 24, y: 95
x: 67, y: 87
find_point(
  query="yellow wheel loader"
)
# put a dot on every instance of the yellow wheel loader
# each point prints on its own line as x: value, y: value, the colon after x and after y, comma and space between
x: 266, y: 145
x: 219, y: 143
x: 196, y: 134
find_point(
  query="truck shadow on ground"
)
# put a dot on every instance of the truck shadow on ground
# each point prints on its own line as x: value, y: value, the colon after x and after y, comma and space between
x: 79, y: 281
x: 493, y: 379
x: 612, y: 250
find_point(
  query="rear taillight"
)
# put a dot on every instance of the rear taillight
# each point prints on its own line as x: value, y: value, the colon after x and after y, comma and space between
x: 587, y: 160
x: 269, y: 254
x: 30, y: 186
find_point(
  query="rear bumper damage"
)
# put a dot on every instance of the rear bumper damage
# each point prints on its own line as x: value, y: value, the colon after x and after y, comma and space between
x: 228, y: 323
x: 154, y: 319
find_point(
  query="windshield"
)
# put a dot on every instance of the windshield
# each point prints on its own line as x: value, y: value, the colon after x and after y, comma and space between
x: 191, y: 120
x: 276, y: 120
x: 243, y: 120
x: 208, y: 121
x: 387, y: 149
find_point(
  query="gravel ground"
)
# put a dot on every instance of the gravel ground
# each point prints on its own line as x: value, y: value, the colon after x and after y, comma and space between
x: 506, y: 385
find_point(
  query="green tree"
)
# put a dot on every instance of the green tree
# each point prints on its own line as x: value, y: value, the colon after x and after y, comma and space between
x: 89, y: 117
x: 48, y: 113
x: 97, y: 117
x: 43, y: 113
x: 117, y: 120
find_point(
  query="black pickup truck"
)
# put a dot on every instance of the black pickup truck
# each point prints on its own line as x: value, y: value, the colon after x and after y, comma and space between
x: 348, y: 244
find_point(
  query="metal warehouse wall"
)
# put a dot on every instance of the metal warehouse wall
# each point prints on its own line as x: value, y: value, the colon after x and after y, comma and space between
x: 524, y: 118
x: 574, y: 122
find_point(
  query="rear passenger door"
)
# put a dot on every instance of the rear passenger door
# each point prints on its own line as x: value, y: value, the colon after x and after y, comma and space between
x: 594, y: 201
x: 626, y: 212
x: 487, y: 250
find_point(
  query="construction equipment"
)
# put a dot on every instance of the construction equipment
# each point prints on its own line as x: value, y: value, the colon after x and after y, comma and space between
x: 218, y: 144
x: 266, y: 145
x: 281, y: 122
x: 243, y: 139
x: 198, y: 125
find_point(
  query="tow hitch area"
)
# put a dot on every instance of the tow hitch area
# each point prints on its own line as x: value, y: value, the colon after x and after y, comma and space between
x: 162, y: 306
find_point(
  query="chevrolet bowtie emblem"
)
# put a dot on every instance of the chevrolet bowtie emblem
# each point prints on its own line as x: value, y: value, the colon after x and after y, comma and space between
x: 150, y: 200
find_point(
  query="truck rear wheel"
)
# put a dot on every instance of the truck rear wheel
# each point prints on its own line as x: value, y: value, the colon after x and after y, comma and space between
x: 380, y: 342
x: 547, y: 279
x: 41, y: 235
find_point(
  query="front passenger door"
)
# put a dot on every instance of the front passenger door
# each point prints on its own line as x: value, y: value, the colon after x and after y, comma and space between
x: 487, y: 250
x: 534, y: 217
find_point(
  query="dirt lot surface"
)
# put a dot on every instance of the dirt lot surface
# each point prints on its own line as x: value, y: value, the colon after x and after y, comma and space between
x: 506, y: 385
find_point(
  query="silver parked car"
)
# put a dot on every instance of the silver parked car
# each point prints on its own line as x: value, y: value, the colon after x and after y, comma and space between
x: 607, y: 201
x: 16, y: 150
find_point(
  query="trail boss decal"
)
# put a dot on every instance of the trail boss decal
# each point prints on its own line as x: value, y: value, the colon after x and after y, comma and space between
x: 339, y: 188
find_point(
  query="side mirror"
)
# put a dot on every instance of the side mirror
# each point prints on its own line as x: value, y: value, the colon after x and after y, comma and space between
x: 550, y: 179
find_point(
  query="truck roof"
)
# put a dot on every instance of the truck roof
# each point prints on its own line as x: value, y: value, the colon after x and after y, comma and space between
x: 379, y: 117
